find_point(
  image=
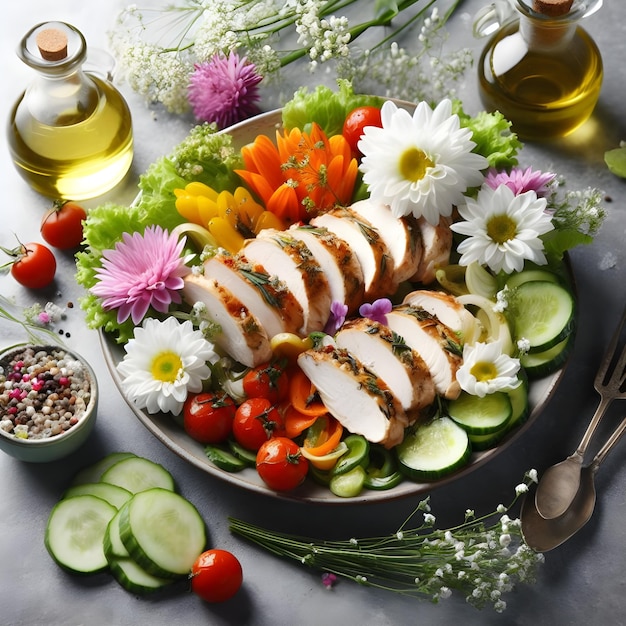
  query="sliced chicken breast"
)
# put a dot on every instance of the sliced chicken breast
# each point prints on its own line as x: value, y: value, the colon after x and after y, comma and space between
x: 360, y: 400
x: 265, y: 296
x: 436, y: 249
x: 339, y: 264
x: 292, y: 262
x: 242, y: 336
x: 371, y: 251
x: 401, y: 235
x: 387, y: 355
x: 434, y: 342
x: 447, y: 309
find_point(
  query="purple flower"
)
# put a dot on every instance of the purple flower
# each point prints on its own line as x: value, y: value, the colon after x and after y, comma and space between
x: 142, y: 271
x: 328, y: 580
x: 377, y: 311
x: 519, y: 181
x: 338, y: 312
x: 224, y: 90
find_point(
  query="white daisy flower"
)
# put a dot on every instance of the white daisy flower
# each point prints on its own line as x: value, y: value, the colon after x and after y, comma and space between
x: 163, y: 363
x: 503, y: 229
x: 486, y: 369
x: 420, y: 164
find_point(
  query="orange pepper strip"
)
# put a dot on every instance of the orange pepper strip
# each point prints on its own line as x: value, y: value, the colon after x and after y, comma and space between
x: 295, y: 422
x: 328, y: 440
x: 300, y: 392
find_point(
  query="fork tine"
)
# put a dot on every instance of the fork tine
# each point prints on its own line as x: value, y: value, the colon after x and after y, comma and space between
x: 609, y: 355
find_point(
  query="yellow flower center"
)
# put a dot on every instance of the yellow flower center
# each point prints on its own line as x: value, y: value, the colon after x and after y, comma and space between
x: 483, y: 371
x: 413, y: 164
x: 501, y: 228
x: 165, y: 366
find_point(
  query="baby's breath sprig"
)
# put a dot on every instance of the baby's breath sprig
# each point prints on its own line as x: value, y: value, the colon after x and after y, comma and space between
x: 158, y: 49
x: 482, y: 558
x: 36, y: 321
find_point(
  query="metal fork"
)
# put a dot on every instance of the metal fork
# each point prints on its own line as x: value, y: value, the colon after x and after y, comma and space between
x: 559, y: 483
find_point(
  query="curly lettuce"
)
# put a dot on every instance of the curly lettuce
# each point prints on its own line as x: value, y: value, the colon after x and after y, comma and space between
x: 325, y: 107
x: 493, y: 137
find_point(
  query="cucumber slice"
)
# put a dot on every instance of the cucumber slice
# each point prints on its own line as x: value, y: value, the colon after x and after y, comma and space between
x: 247, y: 456
x: 113, y: 494
x: 543, y: 313
x: 520, y: 408
x: 114, y: 547
x: 348, y: 484
x: 223, y: 459
x: 163, y: 532
x: 137, y: 474
x: 518, y: 278
x: 484, y: 442
x: 481, y: 416
x: 75, y: 533
x: 433, y: 449
x: 357, y: 455
x: 540, y: 364
x: 93, y: 473
x: 134, y: 578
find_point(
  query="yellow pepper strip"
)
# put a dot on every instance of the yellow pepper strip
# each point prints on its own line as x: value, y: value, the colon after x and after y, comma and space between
x: 195, y: 202
x: 225, y: 234
x: 267, y: 219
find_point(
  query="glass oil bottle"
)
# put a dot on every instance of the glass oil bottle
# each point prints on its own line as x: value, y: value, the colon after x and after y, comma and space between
x: 540, y: 69
x: 70, y: 132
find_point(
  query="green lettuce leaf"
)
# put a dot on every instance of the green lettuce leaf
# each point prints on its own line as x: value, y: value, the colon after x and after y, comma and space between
x: 325, y: 107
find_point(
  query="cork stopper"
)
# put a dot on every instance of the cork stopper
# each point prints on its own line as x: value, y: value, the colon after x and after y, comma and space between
x: 552, y: 8
x: 52, y: 44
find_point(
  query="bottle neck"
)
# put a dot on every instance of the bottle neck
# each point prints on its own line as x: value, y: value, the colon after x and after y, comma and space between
x: 547, y: 34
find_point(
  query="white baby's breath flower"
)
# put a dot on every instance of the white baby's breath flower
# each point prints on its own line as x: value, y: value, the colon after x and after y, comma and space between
x: 165, y: 361
x: 419, y: 164
x: 503, y: 229
x: 486, y: 369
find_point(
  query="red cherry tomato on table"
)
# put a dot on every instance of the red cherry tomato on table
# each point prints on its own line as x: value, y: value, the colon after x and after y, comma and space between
x: 216, y: 575
x: 281, y: 465
x: 33, y: 265
x: 208, y: 417
x: 267, y: 381
x: 62, y: 225
x: 256, y: 420
x: 356, y: 121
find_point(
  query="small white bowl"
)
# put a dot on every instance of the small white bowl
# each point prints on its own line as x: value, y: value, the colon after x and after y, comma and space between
x: 56, y: 446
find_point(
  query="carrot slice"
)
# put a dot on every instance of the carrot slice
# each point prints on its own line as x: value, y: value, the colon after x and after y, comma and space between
x: 302, y: 394
x: 328, y: 438
x: 295, y: 422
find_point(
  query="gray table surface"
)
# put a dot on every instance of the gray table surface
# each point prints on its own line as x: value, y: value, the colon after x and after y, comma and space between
x: 581, y: 582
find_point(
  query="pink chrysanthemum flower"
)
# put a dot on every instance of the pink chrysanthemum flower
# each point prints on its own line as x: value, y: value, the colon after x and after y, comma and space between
x: 141, y: 271
x: 520, y: 181
x: 224, y: 90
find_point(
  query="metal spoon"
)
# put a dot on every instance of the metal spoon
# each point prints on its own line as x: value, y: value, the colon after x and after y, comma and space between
x: 559, y: 484
x: 543, y: 534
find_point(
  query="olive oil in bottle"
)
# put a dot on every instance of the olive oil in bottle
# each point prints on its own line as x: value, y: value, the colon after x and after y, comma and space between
x: 70, y: 133
x: 543, y: 72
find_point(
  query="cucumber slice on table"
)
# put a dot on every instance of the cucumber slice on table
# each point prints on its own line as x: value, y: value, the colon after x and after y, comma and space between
x: 137, y: 474
x: 113, y: 494
x: 75, y: 531
x: 433, y: 449
x: 543, y: 314
x: 163, y: 532
x: 93, y: 473
x: 114, y: 547
x: 481, y: 416
x: 134, y: 578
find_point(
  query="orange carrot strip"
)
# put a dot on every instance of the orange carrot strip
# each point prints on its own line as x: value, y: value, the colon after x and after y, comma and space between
x: 301, y: 390
x: 295, y: 422
x: 328, y: 440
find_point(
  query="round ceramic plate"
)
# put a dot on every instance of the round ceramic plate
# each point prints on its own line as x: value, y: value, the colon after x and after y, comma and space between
x: 169, y: 430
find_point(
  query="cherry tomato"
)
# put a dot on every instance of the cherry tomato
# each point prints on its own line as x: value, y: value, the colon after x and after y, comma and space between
x: 267, y: 381
x: 216, y: 575
x: 33, y: 265
x: 256, y: 420
x: 208, y: 417
x: 280, y: 464
x: 356, y: 121
x: 62, y: 224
